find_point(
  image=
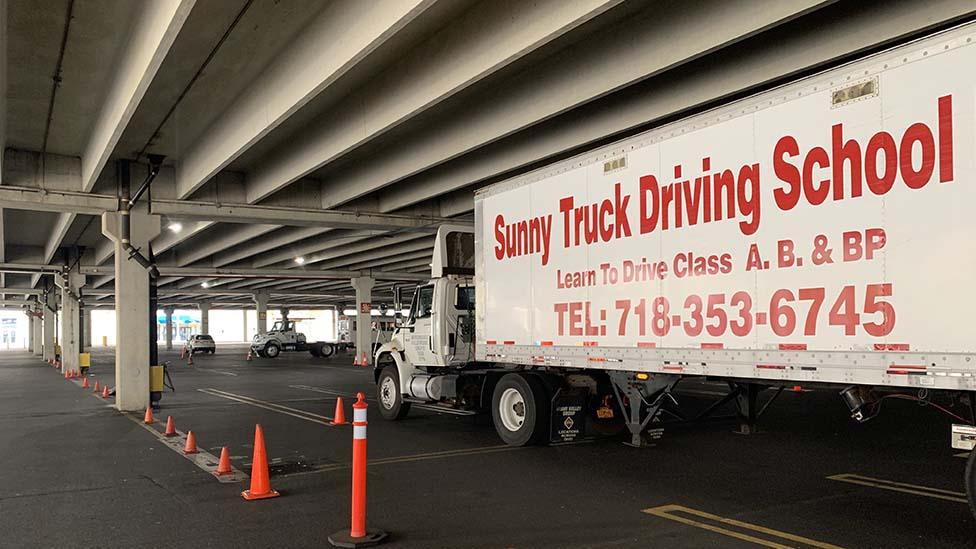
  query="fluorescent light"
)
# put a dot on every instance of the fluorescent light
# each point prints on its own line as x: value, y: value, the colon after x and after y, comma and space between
x: 349, y: 312
x: 175, y: 226
x: 299, y: 260
x: 205, y: 285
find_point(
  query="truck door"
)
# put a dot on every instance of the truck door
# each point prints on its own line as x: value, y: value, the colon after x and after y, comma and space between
x: 418, y: 331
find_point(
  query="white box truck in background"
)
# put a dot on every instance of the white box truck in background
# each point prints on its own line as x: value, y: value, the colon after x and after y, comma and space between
x: 820, y: 233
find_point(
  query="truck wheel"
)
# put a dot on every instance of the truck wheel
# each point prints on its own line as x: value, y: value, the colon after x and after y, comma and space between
x: 327, y: 350
x: 971, y: 481
x: 388, y: 394
x: 520, y: 409
x: 272, y: 350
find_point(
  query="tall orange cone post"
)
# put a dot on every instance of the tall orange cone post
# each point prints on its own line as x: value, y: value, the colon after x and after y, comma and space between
x: 97, y: 387
x: 84, y: 383
x: 340, y: 414
x: 170, y: 427
x: 148, y: 418
x: 358, y: 535
x: 105, y: 393
x: 260, y: 483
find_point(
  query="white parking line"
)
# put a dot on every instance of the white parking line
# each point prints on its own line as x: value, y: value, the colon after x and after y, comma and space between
x: 293, y: 412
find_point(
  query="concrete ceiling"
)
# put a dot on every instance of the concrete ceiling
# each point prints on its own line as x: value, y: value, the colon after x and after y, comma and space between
x: 380, y: 106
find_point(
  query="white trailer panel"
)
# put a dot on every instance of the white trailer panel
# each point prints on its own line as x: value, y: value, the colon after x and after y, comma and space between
x: 820, y: 231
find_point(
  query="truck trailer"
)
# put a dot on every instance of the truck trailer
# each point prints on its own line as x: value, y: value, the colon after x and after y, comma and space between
x: 819, y: 233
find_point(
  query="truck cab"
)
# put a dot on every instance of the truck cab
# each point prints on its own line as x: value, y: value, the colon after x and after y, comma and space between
x: 435, y: 343
x: 282, y: 336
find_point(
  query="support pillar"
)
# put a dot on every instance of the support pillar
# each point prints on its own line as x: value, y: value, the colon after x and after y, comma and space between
x: 364, y: 305
x: 261, y: 301
x: 169, y: 328
x: 204, y: 317
x: 244, y: 316
x: 37, y: 333
x: 70, y: 284
x: 30, y: 333
x: 132, y: 328
x: 86, y: 329
x: 50, y: 307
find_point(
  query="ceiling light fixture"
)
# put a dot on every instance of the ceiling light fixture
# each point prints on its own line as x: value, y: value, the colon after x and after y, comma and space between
x: 300, y: 260
x: 175, y: 226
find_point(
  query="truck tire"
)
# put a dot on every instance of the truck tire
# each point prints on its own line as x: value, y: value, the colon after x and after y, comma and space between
x: 327, y: 350
x: 392, y: 406
x: 520, y: 409
x: 971, y: 481
x: 272, y: 350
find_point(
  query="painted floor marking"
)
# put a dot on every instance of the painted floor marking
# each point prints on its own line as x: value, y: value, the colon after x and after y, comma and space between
x: 903, y: 487
x: 964, y: 455
x: 437, y: 409
x: 669, y: 512
x: 223, y: 372
x: 327, y: 391
x: 202, y: 459
x: 293, y: 412
x: 417, y: 457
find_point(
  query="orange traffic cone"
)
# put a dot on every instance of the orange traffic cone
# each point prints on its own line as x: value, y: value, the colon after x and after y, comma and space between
x: 260, y: 483
x: 148, y: 419
x: 67, y: 374
x: 224, y: 468
x: 95, y: 390
x: 248, y: 354
x: 182, y: 353
x: 189, y: 359
x: 105, y: 392
x: 191, y: 444
x: 340, y: 414
x: 84, y: 384
x: 170, y: 427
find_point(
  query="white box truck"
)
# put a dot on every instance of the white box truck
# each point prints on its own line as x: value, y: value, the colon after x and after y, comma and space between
x: 819, y: 233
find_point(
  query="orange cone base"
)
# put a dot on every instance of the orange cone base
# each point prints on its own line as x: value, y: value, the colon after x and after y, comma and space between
x: 246, y: 494
x: 372, y: 537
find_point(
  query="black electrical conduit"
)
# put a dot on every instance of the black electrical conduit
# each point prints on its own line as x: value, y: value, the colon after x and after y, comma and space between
x: 155, y: 161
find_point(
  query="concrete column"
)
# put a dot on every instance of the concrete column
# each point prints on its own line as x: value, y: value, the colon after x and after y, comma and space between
x: 50, y: 304
x: 37, y: 334
x: 86, y: 330
x: 169, y: 328
x: 30, y: 333
x: 131, y: 310
x: 70, y: 285
x: 364, y: 344
x: 244, y: 316
x: 261, y: 300
x: 204, y: 317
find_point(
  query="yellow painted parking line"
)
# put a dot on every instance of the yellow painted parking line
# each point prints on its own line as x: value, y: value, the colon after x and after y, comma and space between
x: 670, y: 512
x: 904, y: 487
x: 288, y: 411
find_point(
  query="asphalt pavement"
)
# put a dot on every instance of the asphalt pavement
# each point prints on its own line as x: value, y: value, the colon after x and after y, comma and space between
x: 76, y: 473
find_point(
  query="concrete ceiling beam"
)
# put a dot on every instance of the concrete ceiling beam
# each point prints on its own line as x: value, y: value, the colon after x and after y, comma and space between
x: 485, y: 39
x: 600, y: 64
x: 335, y: 41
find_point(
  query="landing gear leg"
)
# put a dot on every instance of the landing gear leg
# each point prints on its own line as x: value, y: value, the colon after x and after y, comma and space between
x: 746, y: 400
x: 640, y: 402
